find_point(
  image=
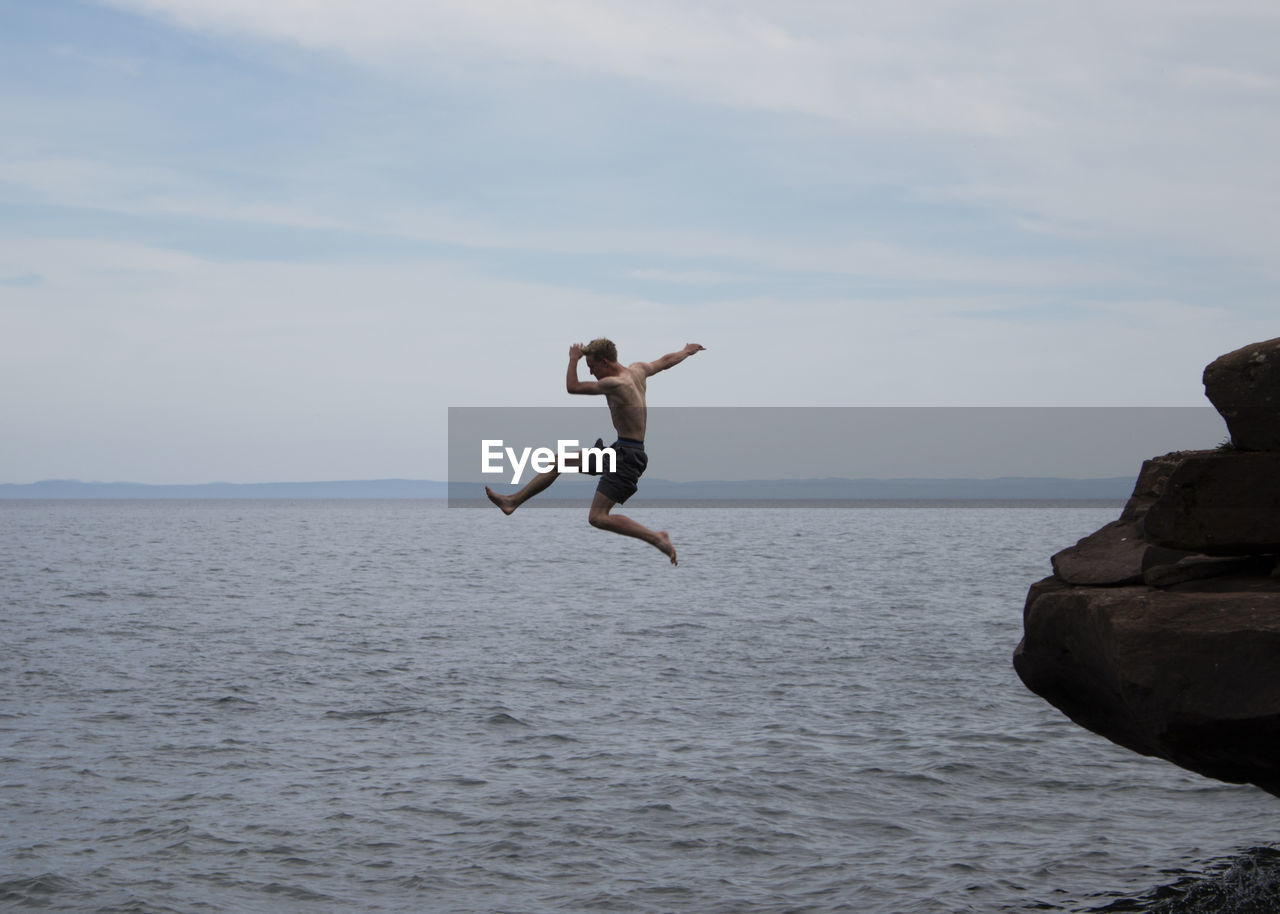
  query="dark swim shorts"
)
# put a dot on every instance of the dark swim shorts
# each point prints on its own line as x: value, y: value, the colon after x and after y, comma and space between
x: 622, y: 483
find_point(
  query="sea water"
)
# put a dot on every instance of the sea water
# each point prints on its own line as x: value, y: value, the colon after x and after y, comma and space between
x: 396, y: 706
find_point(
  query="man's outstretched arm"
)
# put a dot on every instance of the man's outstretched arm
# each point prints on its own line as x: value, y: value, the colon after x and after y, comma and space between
x: 671, y: 359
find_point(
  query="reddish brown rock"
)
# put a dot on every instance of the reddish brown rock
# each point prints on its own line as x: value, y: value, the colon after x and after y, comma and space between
x: 1113, y: 556
x: 1118, y: 554
x: 1152, y: 479
x: 1220, y: 503
x: 1203, y: 567
x: 1193, y: 678
x: 1244, y: 386
x: 1161, y: 631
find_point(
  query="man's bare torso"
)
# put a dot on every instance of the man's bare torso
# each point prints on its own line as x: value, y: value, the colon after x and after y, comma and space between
x: 625, y: 394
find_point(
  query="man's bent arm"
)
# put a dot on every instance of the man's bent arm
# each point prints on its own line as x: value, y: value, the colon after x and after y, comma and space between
x: 571, y: 382
x: 672, y: 359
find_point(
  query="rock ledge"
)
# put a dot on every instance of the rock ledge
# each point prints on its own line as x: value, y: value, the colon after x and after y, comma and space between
x: 1161, y: 631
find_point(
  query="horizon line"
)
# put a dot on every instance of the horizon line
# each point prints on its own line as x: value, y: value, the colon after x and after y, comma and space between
x: 570, y: 477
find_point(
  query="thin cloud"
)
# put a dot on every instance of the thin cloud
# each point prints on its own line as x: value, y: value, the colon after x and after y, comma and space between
x: 855, y: 65
x: 23, y: 280
x: 1098, y: 117
x: 142, y: 191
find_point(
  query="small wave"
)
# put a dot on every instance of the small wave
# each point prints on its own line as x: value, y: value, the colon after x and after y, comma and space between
x: 503, y: 719
x: 30, y: 888
x: 664, y: 890
x: 654, y: 807
x: 364, y: 713
x: 136, y: 906
x: 536, y: 739
x: 688, y: 844
x: 296, y: 892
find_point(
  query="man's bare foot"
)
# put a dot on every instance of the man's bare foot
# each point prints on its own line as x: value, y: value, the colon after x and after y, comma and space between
x: 503, y: 501
x: 664, y: 543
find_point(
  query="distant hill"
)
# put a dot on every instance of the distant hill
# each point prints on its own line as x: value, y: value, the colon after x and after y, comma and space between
x: 1029, y: 488
x: 371, y: 488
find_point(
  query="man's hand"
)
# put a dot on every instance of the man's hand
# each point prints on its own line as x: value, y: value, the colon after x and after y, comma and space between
x: 575, y: 351
x: 691, y: 348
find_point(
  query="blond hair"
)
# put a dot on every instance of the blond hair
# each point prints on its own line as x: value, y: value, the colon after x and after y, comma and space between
x: 601, y: 348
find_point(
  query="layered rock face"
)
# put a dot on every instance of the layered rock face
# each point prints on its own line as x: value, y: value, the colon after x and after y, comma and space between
x: 1161, y: 631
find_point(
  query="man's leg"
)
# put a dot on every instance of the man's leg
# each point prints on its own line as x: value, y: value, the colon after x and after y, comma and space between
x: 600, y: 517
x: 509, y: 503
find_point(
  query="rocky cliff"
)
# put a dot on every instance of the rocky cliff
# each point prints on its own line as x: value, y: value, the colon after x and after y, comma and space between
x: 1161, y: 631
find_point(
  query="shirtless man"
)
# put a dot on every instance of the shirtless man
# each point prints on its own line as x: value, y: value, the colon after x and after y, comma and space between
x: 624, y: 390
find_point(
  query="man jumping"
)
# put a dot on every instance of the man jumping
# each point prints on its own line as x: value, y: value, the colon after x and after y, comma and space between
x: 623, y: 388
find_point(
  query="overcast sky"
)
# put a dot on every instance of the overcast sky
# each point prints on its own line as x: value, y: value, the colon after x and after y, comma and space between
x: 261, y: 240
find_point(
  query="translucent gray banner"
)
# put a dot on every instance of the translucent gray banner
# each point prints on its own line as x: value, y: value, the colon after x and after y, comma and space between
x: 718, y: 453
